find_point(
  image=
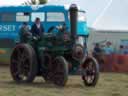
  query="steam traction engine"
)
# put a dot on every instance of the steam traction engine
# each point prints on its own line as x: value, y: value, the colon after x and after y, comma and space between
x: 49, y: 56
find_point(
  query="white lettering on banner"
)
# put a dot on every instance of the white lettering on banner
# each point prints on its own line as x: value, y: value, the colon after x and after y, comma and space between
x: 4, y: 28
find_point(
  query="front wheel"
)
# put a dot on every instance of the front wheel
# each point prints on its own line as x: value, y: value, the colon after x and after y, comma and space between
x: 90, y: 71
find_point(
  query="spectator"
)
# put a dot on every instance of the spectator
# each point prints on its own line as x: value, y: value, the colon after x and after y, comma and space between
x: 97, y: 50
x: 98, y: 54
x: 108, y: 48
x: 121, y: 50
x: 126, y: 50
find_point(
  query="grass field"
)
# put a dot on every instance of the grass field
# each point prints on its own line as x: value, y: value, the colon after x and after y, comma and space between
x: 110, y: 84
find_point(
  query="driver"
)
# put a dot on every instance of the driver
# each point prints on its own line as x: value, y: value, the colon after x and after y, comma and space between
x: 37, y: 29
x: 24, y: 32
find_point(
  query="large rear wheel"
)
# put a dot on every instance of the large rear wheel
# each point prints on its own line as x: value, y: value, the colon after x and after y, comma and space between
x: 90, y: 72
x: 23, y: 65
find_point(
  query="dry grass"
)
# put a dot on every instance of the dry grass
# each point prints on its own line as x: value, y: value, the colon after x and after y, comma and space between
x: 110, y: 84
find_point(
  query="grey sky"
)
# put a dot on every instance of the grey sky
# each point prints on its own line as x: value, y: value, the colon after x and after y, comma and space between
x: 114, y: 17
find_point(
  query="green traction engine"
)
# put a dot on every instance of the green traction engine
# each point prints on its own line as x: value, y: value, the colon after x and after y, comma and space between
x: 51, y: 55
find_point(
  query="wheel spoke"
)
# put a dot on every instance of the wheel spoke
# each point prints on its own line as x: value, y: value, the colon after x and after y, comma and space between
x: 24, y: 55
x: 90, y: 79
x: 19, y: 52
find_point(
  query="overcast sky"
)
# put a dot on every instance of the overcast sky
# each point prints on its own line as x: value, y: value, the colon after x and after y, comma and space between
x: 101, y: 14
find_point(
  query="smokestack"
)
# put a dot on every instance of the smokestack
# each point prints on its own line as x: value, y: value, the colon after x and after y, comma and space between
x: 73, y: 20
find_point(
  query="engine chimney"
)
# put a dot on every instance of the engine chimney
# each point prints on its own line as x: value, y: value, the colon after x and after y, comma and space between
x: 73, y: 20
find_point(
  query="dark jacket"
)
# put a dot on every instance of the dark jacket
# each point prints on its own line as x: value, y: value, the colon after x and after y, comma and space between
x: 37, y: 31
x: 24, y: 33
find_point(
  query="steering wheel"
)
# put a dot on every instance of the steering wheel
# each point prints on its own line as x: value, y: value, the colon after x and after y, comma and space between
x: 51, y: 29
x: 59, y: 28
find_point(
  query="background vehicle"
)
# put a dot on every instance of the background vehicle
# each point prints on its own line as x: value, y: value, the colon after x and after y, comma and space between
x: 12, y: 19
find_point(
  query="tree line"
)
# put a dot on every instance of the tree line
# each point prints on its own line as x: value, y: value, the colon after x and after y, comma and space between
x: 35, y: 2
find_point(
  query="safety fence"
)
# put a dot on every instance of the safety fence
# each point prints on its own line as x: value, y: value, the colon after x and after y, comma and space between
x: 114, y: 63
